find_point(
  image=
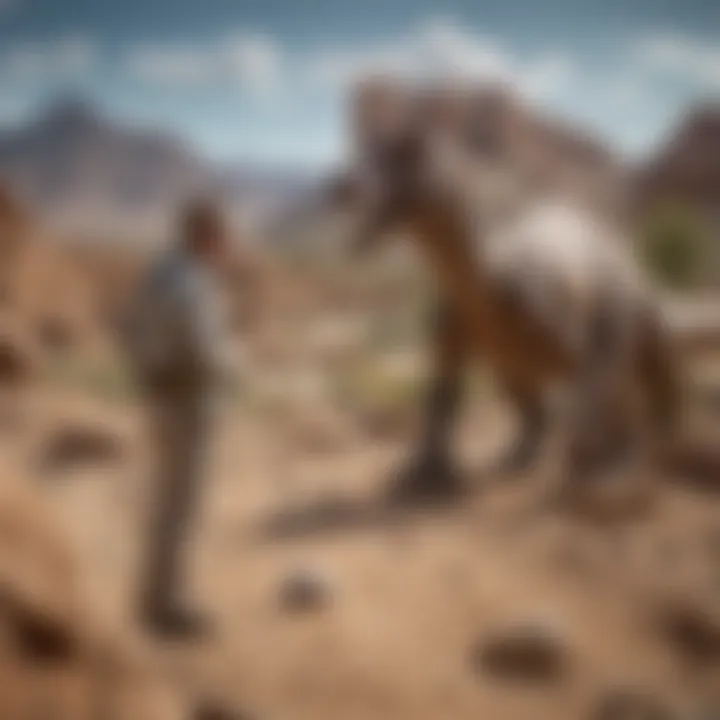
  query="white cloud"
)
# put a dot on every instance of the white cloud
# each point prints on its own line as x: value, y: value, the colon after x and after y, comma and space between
x: 252, y: 62
x: 256, y: 61
x: 171, y: 66
x: 441, y: 49
x: 692, y: 59
x: 70, y: 57
x: 434, y: 50
x: 547, y: 76
x: 12, y: 110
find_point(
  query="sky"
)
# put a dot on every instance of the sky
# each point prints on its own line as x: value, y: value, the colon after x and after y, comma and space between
x: 265, y: 80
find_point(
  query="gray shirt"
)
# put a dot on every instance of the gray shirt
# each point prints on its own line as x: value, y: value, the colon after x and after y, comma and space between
x: 176, y: 319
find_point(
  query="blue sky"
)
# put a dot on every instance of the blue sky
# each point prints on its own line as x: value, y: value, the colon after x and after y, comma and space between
x: 264, y: 80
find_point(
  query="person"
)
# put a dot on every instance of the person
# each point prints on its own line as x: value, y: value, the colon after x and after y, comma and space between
x: 177, y: 342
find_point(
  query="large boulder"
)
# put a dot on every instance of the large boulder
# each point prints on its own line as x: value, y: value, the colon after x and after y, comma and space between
x: 56, y: 660
x: 533, y: 651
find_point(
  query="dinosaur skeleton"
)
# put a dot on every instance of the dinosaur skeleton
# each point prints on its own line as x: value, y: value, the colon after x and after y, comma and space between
x: 544, y: 290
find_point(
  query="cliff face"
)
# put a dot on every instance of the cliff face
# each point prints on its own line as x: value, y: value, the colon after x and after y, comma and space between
x: 551, y: 153
x: 85, y: 172
x: 504, y: 133
x: 687, y: 167
x: 74, y: 163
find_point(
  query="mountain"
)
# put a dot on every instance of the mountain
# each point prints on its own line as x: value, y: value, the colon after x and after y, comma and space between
x: 686, y: 167
x: 89, y: 174
x: 86, y: 173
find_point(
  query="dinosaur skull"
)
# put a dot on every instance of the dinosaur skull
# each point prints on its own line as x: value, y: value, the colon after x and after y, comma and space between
x: 385, y: 183
x: 408, y: 152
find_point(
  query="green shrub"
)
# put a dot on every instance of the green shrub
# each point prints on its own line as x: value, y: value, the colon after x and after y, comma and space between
x: 673, y: 248
x: 105, y: 380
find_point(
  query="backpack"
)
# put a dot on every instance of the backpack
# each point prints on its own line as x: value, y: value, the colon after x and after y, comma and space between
x: 151, y: 334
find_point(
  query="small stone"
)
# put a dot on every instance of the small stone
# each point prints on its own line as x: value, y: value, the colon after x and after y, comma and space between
x: 303, y: 591
x: 75, y: 444
x: 631, y: 705
x: 533, y: 652
x: 693, y: 631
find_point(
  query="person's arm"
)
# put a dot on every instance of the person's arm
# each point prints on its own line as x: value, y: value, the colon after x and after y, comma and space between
x: 143, y: 329
x: 202, y: 333
x: 130, y: 326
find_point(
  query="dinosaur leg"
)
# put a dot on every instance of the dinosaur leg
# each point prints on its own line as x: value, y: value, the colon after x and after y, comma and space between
x: 430, y: 474
x: 673, y: 448
x: 532, y: 416
x: 659, y: 366
x: 601, y: 430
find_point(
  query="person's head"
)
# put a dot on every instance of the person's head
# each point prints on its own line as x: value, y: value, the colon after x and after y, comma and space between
x: 203, y: 231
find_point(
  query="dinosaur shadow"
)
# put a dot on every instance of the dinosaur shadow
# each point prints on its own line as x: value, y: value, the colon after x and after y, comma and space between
x: 697, y: 469
x: 339, y: 514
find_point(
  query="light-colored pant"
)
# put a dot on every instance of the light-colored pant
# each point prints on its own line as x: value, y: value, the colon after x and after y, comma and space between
x: 182, y: 430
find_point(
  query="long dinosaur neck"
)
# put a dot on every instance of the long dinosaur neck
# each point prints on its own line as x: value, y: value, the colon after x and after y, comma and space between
x: 447, y: 238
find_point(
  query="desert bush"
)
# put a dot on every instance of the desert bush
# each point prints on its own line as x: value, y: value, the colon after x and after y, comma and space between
x: 105, y: 380
x: 376, y: 394
x: 673, y: 248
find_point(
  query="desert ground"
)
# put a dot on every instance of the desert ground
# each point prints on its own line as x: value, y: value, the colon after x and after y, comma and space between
x: 498, y: 607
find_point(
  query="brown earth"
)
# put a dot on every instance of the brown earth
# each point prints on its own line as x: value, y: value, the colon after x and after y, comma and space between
x: 407, y: 606
x: 411, y: 598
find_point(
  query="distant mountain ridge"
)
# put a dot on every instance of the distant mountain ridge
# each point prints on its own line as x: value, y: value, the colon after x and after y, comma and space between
x: 687, y: 165
x: 85, y: 173
x: 88, y: 174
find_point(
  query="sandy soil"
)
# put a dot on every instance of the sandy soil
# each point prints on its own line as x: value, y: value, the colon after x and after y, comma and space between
x: 411, y: 596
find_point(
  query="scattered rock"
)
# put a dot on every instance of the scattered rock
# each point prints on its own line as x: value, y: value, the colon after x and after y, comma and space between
x: 631, y: 705
x: 76, y: 444
x: 303, y: 591
x: 38, y: 634
x: 692, y: 630
x: 533, y: 652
